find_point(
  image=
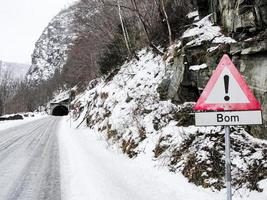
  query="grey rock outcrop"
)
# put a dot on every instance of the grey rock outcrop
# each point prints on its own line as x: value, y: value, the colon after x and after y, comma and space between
x: 237, y: 15
x: 243, y: 20
x: 252, y: 60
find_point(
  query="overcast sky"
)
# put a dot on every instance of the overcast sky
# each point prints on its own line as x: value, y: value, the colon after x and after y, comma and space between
x: 21, y: 24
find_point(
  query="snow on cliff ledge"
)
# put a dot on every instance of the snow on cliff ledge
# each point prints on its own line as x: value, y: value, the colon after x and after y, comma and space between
x: 204, y: 30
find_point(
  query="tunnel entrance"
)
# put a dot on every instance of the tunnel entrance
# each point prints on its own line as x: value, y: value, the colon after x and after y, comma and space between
x: 60, y: 110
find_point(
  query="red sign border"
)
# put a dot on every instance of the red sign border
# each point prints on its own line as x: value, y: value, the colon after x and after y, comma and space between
x: 226, y: 62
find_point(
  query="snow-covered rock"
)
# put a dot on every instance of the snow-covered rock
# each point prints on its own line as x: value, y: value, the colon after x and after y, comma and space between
x: 205, y: 30
x: 50, y: 51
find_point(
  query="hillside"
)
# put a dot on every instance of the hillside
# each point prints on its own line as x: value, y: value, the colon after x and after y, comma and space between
x: 128, y: 114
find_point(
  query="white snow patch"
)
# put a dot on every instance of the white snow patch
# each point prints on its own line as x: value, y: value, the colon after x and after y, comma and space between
x: 204, y: 30
x: 196, y: 18
x: 223, y: 40
x: 198, y: 67
x: 61, y: 96
x: 257, y: 155
x: 211, y: 49
x: 192, y: 14
x: 13, y: 123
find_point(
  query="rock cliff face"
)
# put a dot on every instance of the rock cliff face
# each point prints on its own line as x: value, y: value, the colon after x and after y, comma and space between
x: 240, y: 15
x: 50, y: 51
x: 203, y: 45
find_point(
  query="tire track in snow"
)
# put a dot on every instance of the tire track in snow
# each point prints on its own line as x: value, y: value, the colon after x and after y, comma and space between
x: 29, y: 161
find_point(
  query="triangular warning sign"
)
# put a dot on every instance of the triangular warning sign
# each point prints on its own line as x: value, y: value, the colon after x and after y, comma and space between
x: 227, y: 90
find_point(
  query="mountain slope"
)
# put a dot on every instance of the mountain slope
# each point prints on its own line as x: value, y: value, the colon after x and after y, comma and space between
x: 50, y: 51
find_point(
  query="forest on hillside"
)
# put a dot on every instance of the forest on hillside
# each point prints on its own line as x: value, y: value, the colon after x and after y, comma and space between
x: 99, y: 36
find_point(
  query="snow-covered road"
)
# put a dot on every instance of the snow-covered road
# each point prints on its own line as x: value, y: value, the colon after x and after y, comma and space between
x: 29, y: 161
x: 48, y: 160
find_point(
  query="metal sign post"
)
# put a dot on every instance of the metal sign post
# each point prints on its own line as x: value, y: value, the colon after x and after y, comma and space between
x: 227, y: 101
x: 228, y: 163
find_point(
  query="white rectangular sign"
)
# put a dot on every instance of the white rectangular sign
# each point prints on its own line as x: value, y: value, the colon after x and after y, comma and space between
x: 228, y: 118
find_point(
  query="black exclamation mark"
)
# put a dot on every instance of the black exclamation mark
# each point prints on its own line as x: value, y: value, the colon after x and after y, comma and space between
x: 226, y: 87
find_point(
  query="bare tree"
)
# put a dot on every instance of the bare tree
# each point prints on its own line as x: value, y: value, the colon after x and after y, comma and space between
x: 167, y: 21
x: 126, y: 37
x: 5, y: 90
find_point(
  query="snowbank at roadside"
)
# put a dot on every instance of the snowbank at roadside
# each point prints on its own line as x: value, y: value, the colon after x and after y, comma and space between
x: 92, y: 170
x: 29, y: 117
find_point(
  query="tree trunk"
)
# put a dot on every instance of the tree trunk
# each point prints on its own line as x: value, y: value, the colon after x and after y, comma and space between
x: 167, y: 22
x: 141, y: 20
x: 124, y: 31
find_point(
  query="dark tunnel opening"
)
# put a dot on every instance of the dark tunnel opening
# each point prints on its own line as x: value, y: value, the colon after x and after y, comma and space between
x: 60, y: 111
